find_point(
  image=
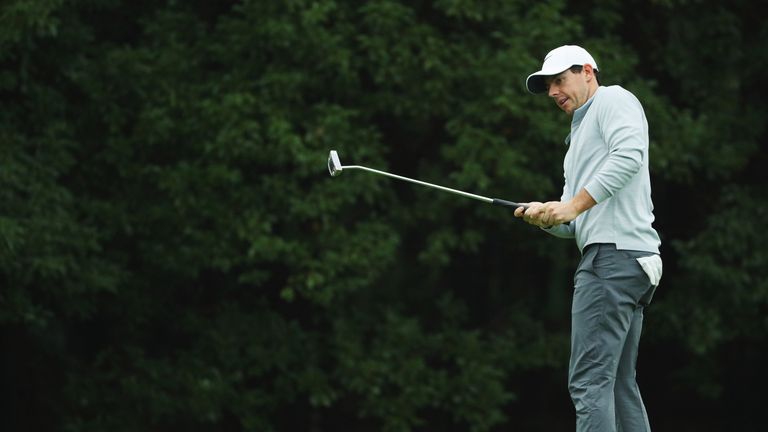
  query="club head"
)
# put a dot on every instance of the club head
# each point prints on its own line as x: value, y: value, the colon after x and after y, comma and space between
x: 334, y: 165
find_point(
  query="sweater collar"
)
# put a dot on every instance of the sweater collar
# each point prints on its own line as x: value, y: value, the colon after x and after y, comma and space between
x: 579, y: 114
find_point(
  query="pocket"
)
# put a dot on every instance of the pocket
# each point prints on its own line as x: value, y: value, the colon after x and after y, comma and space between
x: 644, y: 264
x: 585, y: 264
x: 622, y: 269
x: 606, y: 261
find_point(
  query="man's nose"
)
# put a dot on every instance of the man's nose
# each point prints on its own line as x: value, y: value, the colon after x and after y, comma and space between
x: 552, y: 91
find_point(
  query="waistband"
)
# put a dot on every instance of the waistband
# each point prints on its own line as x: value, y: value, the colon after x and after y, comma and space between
x: 612, y: 247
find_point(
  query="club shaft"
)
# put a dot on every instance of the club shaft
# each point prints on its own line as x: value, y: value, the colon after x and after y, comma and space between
x: 419, y: 182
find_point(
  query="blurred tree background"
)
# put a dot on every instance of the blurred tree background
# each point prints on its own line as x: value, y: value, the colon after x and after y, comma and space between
x: 174, y: 255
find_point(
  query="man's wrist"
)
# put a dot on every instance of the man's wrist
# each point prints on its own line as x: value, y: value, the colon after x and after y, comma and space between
x: 582, y: 202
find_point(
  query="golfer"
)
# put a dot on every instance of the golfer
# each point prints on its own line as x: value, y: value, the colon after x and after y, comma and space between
x: 606, y: 206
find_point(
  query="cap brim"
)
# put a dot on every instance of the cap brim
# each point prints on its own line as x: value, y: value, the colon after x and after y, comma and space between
x: 535, y: 82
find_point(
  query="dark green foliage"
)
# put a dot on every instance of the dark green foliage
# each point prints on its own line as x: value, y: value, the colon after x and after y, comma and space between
x: 174, y: 256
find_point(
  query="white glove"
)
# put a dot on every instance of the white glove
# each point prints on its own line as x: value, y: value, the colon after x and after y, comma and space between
x: 652, y: 267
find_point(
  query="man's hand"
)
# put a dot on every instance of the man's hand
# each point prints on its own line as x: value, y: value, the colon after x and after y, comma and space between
x: 532, y: 214
x: 553, y: 213
x: 558, y: 212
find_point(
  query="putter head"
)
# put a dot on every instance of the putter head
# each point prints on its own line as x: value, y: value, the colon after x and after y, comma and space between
x: 334, y: 165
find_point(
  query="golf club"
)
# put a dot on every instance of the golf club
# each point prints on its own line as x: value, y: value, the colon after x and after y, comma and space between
x: 335, y: 168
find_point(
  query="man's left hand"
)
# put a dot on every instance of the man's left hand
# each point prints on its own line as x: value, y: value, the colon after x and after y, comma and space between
x: 556, y: 213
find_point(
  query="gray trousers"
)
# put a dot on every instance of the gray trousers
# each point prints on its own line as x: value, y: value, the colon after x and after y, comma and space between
x: 610, y: 291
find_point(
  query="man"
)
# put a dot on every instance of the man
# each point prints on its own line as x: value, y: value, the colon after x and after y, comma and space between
x: 606, y: 206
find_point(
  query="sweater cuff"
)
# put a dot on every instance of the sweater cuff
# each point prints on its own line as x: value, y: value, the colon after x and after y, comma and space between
x: 598, y: 192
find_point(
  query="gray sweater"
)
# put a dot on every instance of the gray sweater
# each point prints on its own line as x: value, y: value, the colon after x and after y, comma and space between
x: 608, y: 156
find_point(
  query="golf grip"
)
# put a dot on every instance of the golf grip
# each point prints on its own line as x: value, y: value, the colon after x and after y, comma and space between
x: 506, y: 203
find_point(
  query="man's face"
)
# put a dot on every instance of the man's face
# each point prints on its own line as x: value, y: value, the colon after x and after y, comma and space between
x: 570, y: 90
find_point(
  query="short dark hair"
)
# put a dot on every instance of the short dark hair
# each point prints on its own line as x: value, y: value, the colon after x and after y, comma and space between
x: 578, y: 69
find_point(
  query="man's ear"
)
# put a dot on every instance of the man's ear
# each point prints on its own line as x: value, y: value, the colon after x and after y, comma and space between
x: 590, y: 72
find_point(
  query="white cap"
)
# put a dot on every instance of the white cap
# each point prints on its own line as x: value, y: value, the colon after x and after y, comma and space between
x: 558, y: 60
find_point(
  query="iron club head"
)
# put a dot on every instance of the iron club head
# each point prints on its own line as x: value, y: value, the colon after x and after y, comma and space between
x: 334, y: 165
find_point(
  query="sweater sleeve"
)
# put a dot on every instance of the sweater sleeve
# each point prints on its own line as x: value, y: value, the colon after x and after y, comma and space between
x: 622, y: 123
x: 563, y: 231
